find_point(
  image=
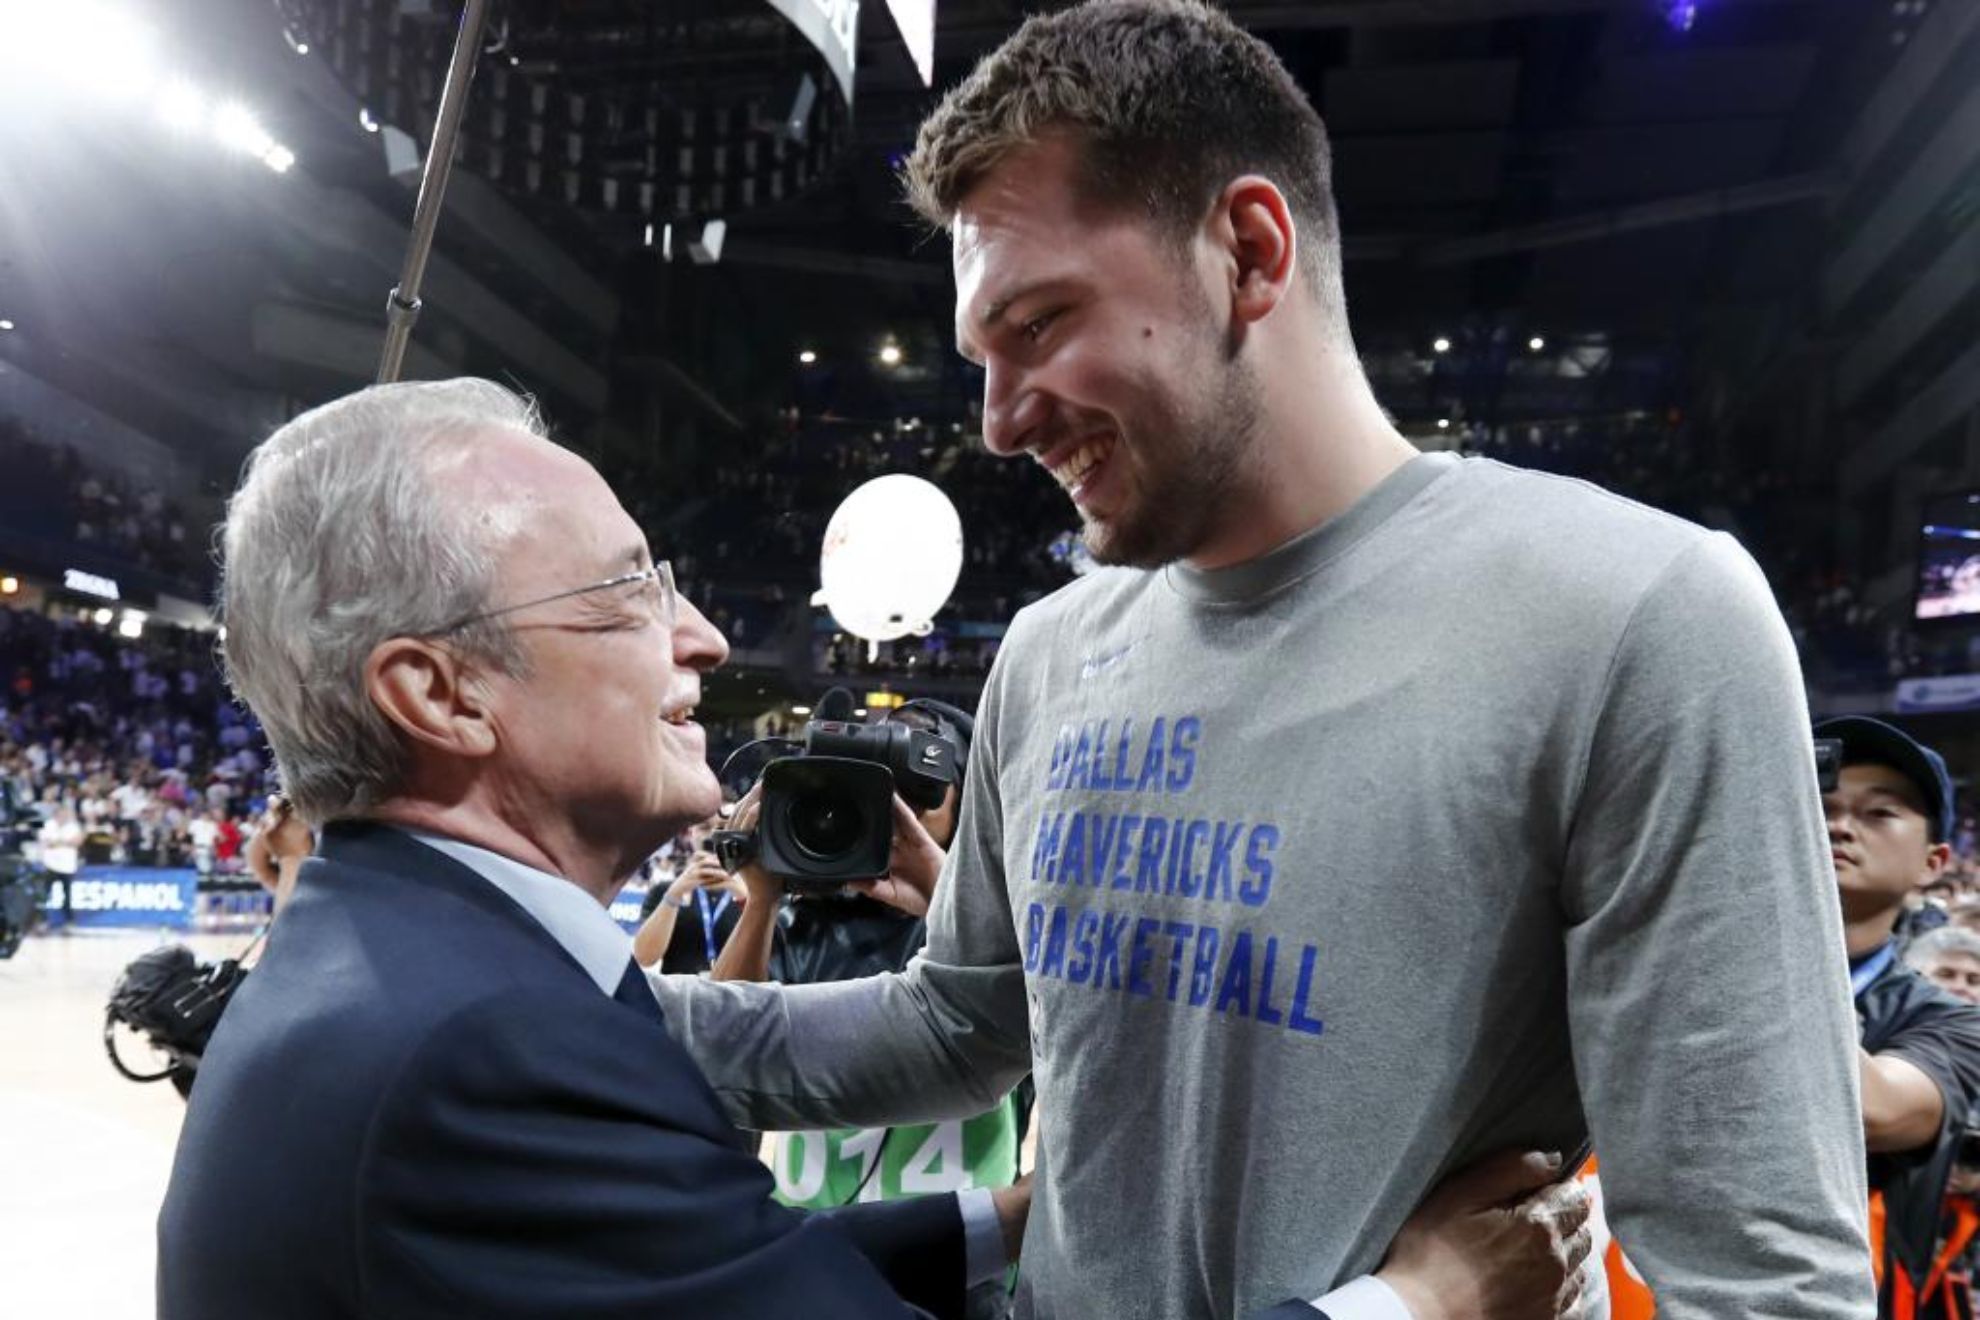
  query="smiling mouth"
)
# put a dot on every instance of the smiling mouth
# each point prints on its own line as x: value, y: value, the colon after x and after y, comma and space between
x: 1072, y: 470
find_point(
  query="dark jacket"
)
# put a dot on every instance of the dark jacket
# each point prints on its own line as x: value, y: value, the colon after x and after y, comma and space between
x: 419, y: 1105
x: 1904, y: 1014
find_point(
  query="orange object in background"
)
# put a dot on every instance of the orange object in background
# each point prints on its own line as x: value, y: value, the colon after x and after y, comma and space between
x: 1947, y: 1293
x: 1629, y: 1297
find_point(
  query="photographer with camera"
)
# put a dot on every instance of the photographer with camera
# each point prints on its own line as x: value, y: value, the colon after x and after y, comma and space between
x: 708, y: 897
x: 870, y: 927
x: 1889, y: 815
x: 835, y: 935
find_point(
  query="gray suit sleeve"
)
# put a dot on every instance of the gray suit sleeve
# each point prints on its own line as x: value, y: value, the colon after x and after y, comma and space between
x: 947, y: 1038
x: 1713, y: 1033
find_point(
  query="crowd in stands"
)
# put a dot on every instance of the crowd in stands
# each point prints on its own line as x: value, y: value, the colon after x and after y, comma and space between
x: 755, y: 527
x: 124, y: 750
x: 52, y: 492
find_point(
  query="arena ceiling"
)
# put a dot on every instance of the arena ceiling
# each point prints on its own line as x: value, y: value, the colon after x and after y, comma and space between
x: 1627, y: 174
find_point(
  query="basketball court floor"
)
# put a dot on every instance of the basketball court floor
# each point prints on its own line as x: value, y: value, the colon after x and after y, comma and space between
x: 84, y: 1154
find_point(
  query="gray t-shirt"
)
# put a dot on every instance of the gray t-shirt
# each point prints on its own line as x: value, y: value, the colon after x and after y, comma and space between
x: 1489, y: 803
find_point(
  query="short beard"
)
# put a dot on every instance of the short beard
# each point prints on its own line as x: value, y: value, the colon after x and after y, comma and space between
x: 1193, y: 473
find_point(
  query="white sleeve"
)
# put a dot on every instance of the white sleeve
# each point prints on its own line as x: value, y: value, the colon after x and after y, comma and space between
x: 1365, y: 1298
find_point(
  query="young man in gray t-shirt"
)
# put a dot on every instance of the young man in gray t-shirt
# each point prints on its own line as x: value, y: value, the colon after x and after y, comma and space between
x: 1376, y: 811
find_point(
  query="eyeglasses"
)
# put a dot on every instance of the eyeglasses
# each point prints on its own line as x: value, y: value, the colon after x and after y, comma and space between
x: 653, y: 585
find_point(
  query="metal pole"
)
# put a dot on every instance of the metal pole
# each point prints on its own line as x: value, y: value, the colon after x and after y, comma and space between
x: 402, y: 308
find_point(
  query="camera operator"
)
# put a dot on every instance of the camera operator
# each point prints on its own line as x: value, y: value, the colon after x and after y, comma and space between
x: 711, y: 900
x: 878, y: 927
x: 1889, y: 817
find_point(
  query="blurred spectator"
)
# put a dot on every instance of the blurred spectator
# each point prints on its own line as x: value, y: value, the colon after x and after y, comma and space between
x: 61, y: 853
x: 1950, y: 958
x: 52, y: 492
x: 134, y: 738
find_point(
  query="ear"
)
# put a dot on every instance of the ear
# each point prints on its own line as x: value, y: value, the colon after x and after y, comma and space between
x: 1937, y: 858
x: 1252, y: 227
x: 426, y: 692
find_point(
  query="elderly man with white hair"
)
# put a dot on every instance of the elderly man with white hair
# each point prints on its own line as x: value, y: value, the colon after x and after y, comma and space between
x: 446, y: 1090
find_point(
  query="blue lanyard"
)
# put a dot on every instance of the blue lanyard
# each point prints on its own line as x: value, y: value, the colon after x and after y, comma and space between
x: 708, y: 920
x: 1860, y: 979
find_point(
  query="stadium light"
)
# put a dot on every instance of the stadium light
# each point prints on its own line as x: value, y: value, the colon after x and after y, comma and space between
x: 890, y: 355
x: 9, y: 585
x: 181, y: 106
x: 79, y: 47
x: 131, y: 625
x: 1443, y: 423
x: 1536, y: 343
x: 101, y: 51
x: 807, y: 357
x: 6, y: 324
x: 1440, y: 344
x: 104, y: 616
x: 800, y: 710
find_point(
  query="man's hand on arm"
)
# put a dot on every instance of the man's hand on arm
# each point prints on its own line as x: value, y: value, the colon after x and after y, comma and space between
x: 1498, y: 1241
x: 1903, y: 1108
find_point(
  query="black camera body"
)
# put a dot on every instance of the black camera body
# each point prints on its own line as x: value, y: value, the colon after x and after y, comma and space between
x: 20, y: 901
x: 827, y: 814
x: 1828, y: 764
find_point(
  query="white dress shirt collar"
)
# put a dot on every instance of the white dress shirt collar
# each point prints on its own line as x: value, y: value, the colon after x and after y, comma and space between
x: 573, y: 917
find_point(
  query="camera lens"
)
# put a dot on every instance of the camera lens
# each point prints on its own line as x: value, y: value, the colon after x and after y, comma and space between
x: 824, y: 825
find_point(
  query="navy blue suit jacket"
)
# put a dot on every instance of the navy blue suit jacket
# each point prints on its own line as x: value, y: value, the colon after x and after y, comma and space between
x: 419, y: 1105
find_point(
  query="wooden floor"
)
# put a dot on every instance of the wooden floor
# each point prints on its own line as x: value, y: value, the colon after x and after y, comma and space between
x: 84, y: 1154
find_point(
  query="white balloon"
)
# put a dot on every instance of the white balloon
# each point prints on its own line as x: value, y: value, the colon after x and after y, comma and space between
x: 892, y: 554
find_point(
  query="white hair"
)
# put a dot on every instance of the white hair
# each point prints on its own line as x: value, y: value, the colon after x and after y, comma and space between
x: 1937, y: 943
x: 340, y: 537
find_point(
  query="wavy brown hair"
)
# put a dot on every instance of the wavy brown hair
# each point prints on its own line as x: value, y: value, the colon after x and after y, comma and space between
x: 1168, y: 101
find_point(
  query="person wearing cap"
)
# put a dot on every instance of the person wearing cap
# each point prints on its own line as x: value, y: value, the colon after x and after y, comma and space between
x: 1890, y: 816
